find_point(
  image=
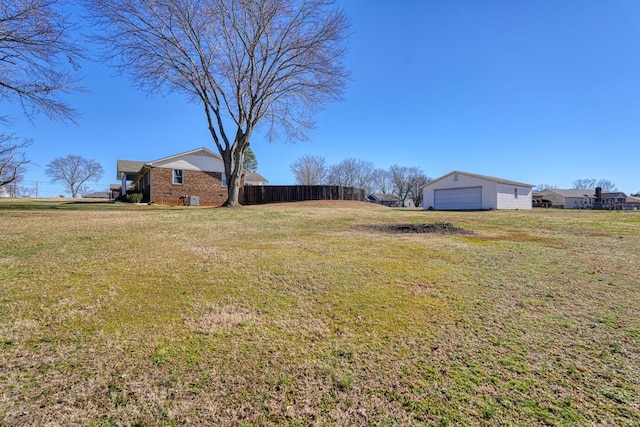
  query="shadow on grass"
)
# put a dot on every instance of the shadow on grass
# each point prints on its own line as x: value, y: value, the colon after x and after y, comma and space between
x: 39, y: 205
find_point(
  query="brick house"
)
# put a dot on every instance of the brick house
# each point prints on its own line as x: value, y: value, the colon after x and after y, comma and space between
x: 175, y: 179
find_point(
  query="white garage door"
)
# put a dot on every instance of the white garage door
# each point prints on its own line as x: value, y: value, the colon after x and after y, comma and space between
x: 458, y: 198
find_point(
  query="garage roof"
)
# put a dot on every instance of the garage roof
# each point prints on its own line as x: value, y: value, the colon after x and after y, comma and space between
x: 485, y: 177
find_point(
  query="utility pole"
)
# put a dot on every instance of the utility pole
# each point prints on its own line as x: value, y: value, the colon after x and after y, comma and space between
x: 36, y: 189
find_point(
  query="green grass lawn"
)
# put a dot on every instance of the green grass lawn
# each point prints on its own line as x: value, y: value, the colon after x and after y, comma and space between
x: 316, y: 314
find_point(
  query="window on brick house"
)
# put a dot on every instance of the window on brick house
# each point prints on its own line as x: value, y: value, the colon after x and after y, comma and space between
x: 224, y: 179
x: 177, y: 176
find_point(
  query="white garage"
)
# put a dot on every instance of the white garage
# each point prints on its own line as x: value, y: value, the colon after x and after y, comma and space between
x: 467, y: 191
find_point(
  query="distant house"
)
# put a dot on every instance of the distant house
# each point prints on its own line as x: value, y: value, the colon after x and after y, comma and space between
x: 587, y: 199
x: 98, y: 195
x: 409, y: 203
x: 197, y: 175
x: 384, y: 199
x: 570, y: 199
x: 538, y: 200
x: 468, y: 191
x: 612, y: 200
x: 114, y: 189
x: 633, y: 202
x: 252, y: 178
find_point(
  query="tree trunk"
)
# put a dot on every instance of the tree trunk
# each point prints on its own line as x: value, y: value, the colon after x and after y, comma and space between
x: 233, y: 161
x: 233, y: 187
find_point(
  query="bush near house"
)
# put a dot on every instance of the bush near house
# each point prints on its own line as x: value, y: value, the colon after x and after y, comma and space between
x: 133, y: 197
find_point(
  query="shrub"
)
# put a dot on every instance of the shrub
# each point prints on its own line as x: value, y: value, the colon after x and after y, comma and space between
x: 133, y: 197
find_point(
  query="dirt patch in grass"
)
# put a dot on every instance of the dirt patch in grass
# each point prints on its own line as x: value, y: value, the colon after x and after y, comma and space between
x: 436, y: 228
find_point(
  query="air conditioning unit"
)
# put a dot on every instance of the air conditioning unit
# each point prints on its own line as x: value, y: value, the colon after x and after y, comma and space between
x: 192, y: 200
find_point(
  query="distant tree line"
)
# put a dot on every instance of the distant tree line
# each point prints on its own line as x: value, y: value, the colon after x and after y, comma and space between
x: 583, y: 184
x: 404, y: 182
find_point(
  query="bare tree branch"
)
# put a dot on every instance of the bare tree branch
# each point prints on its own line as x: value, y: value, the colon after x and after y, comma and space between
x: 542, y: 187
x: 12, y: 158
x: 606, y: 185
x: 309, y: 170
x: 592, y: 183
x: 37, y: 57
x: 381, y: 181
x: 250, y: 63
x: 584, y: 184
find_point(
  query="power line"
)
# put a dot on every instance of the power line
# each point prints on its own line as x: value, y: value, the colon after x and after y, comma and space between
x: 30, y: 188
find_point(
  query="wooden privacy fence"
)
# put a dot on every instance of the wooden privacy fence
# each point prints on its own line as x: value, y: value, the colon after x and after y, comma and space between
x: 261, y: 194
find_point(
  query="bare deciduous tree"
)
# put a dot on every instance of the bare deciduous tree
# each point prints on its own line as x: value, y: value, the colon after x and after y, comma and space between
x: 26, y: 191
x: 381, y: 181
x: 352, y: 173
x: 406, y: 181
x: 606, y: 185
x: 584, y: 184
x: 74, y: 171
x: 592, y: 183
x: 247, y: 62
x: 542, y: 187
x: 309, y: 170
x: 37, y: 57
x: 12, y: 158
x: 418, y: 181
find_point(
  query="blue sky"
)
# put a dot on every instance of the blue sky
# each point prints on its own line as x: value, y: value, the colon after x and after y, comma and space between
x: 537, y: 91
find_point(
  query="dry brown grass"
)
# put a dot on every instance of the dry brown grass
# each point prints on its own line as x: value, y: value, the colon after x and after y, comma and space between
x: 310, y: 314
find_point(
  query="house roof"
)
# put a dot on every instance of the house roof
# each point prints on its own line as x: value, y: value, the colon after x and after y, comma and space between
x: 485, y: 177
x: 133, y: 167
x: 129, y: 167
x: 571, y: 192
x: 254, y: 177
x: 384, y: 197
x: 614, y: 195
x: 201, y: 150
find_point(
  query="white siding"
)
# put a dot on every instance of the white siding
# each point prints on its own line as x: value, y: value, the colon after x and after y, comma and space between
x: 577, y: 203
x: 506, y: 196
x: 194, y: 162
